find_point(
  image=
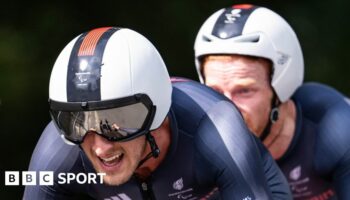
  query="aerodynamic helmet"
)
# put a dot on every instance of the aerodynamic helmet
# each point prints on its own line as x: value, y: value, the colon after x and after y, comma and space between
x: 109, y: 80
x: 255, y: 31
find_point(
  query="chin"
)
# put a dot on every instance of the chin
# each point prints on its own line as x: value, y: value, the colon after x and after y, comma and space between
x: 258, y: 133
x: 115, y: 180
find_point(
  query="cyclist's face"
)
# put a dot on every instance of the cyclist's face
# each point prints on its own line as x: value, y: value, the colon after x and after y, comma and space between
x: 117, y: 159
x: 244, y: 80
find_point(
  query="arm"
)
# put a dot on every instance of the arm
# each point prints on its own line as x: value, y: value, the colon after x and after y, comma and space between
x: 276, y: 180
x: 341, y: 178
x: 332, y: 155
x: 52, y: 154
x: 241, y: 167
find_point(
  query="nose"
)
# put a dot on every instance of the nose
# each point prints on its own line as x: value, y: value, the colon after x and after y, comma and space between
x: 101, y: 146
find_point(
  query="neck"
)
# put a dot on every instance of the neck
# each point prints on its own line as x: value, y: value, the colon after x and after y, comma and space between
x: 162, y: 138
x: 282, y: 131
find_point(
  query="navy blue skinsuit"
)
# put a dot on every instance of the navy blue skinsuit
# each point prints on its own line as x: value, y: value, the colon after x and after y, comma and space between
x: 210, y: 148
x: 317, y: 163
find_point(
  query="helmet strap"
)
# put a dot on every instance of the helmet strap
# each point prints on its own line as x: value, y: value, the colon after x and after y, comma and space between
x: 274, y: 115
x: 154, y: 149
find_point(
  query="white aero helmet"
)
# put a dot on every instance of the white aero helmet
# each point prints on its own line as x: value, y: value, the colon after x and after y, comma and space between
x: 112, y: 81
x: 254, y: 31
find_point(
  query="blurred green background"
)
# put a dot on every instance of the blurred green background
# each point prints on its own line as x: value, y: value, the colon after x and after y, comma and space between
x: 33, y: 33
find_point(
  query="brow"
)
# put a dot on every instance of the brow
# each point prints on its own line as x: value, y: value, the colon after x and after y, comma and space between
x: 244, y: 82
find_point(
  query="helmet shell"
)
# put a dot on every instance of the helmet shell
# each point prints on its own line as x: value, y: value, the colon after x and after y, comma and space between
x: 111, y: 63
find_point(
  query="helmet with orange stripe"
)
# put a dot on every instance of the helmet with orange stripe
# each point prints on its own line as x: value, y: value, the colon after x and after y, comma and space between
x: 111, y: 81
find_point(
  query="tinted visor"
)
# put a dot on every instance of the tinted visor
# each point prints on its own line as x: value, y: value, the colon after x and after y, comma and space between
x: 119, y: 120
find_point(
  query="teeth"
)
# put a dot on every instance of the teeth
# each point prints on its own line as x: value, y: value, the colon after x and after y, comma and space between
x: 111, y: 158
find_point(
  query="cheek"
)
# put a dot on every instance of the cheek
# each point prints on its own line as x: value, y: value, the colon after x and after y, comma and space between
x: 248, y: 107
x: 255, y: 113
x: 135, y: 148
x: 248, y: 110
x: 87, y: 144
x: 260, y: 110
x: 262, y: 113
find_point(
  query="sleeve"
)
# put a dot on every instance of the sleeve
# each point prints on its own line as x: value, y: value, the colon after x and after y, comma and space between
x: 52, y: 154
x: 332, y: 158
x: 276, y: 180
x: 234, y: 159
x: 341, y: 178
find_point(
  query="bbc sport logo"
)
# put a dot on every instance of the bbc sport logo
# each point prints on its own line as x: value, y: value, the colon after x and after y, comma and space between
x: 13, y: 178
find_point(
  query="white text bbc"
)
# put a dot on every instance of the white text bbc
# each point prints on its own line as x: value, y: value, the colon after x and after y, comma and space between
x: 47, y: 178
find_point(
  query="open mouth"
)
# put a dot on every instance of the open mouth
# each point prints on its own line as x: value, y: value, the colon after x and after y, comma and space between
x: 112, y: 160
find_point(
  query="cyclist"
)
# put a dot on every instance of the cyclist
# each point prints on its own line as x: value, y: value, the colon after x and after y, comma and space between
x: 252, y: 55
x: 112, y: 98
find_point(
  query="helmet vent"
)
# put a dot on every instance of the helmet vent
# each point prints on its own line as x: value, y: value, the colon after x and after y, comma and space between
x: 207, y: 39
x: 250, y: 38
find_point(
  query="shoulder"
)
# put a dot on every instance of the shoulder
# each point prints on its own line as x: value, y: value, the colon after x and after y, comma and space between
x: 329, y: 111
x: 209, y: 116
x: 235, y: 156
x: 214, y: 121
x: 192, y: 101
x: 192, y: 92
x: 51, y: 153
x: 318, y: 99
x: 324, y: 106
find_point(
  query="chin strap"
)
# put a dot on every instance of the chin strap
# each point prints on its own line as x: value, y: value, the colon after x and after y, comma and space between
x: 274, y: 115
x: 154, y: 149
